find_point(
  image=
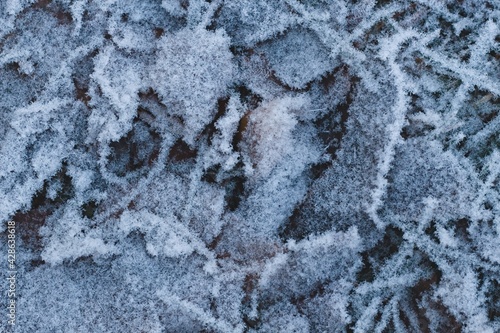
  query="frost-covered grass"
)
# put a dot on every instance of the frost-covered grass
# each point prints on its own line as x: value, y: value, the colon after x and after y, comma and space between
x: 252, y: 166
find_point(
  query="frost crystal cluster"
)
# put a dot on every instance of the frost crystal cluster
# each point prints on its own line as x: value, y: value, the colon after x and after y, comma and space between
x: 251, y: 166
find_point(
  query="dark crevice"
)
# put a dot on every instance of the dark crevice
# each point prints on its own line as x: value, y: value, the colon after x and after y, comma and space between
x: 233, y: 182
x: 43, y: 205
x: 235, y: 187
x: 15, y: 67
x: 184, y: 4
x: 317, y: 290
x: 41, y: 4
x: 383, y: 250
x: 425, y: 284
x: 251, y: 101
x: 461, y: 229
x: 293, y: 227
x: 211, y: 129
x: 63, y: 16
x: 150, y: 95
x: 238, y: 136
x: 213, y: 244
x: 249, y: 285
x: 366, y: 273
x: 181, y: 152
x: 493, y: 297
x: 213, y: 23
x: 331, y: 128
x: 81, y: 90
x: 89, y: 209
x: 64, y: 193
x: 158, y: 32
x: 274, y: 78
x: 415, y: 128
x: 238, y: 50
x: 446, y: 321
x: 431, y: 231
x: 138, y: 149
x: 210, y: 174
x: 248, y: 97
x: 489, y: 117
x: 36, y: 263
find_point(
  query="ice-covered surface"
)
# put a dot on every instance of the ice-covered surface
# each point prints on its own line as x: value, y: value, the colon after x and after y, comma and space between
x: 251, y: 166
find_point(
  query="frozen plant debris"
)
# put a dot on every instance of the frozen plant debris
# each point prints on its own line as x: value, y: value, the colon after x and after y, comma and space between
x: 252, y: 166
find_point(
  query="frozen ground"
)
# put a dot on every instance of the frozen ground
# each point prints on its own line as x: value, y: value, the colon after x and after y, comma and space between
x: 251, y: 166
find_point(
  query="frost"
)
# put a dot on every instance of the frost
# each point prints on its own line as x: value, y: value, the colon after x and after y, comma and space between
x: 252, y: 166
x: 192, y: 70
x: 298, y: 58
x: 162, y: 237
x: 269, y: 132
